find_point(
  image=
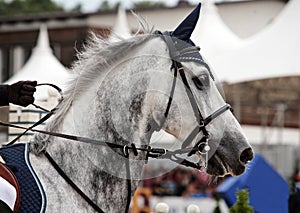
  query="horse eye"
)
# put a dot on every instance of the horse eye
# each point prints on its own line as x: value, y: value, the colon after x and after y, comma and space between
x: 201, y: 81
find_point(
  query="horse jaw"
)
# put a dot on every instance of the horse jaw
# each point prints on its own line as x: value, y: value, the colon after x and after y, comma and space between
x: 229, y: 151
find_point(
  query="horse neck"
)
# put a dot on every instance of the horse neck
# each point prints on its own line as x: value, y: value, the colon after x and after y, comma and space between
x: 102, y: 167
x: 91, y: 115
x: 109, y: 111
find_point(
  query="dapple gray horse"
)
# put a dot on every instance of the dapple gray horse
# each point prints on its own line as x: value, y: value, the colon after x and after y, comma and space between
x: 122, y: 93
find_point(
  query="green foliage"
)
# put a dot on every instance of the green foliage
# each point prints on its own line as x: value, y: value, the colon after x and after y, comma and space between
x: 77, y: 8
x: 17, y: 7
x: 145, y: 4
x: 108, y: 5
x: 242, y: 203
x: 105, y: 5
x: 217, y: 208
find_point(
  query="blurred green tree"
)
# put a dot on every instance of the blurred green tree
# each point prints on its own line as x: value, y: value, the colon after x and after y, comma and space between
x: 217, y: 208
x: 145, y: 4
x: 17, y: 7
x: 242, y: 203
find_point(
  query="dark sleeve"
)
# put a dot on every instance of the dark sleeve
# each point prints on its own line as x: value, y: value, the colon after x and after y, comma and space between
x: 3, y: 95
x: 4, y: 208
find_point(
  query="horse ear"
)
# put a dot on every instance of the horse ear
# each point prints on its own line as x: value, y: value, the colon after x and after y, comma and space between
x: 187, y: 26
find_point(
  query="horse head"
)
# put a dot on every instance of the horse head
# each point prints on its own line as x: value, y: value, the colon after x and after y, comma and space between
x: 195, y: 101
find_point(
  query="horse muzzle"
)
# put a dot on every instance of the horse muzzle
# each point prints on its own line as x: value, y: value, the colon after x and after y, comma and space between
x: 231, y: 156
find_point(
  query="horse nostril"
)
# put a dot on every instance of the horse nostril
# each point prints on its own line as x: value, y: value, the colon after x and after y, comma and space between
x: 246, y: 155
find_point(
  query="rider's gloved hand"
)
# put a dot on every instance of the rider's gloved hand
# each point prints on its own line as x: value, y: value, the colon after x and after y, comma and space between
x: 21, y: 93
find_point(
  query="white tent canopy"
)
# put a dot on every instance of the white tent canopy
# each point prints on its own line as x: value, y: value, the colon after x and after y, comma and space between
x: 42, y: 66
x: 273, y: 52
x: 121, y: 28
x: 212, y: 35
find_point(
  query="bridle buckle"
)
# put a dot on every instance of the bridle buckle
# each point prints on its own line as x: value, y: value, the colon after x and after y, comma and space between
x: 201, y: 125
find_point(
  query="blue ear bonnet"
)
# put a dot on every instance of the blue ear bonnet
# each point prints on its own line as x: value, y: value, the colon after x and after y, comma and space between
x: 179, y: 42
x: 181, y: 50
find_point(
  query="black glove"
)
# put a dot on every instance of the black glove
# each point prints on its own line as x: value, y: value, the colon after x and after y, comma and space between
x: 21, y: 93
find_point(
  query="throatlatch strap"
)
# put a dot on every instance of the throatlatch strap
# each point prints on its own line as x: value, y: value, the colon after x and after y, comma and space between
x: 174, y: 68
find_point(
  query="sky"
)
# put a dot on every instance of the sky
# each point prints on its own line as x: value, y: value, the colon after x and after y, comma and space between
x: 93, y: 5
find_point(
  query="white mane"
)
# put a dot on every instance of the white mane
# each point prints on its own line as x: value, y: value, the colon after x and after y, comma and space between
x: 98, y: 55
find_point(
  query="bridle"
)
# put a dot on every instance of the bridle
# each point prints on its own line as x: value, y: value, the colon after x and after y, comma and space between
x: 202, y: 146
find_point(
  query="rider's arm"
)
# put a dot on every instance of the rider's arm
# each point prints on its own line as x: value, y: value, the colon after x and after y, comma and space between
x: 3, y: 95
x: 20, y: 93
